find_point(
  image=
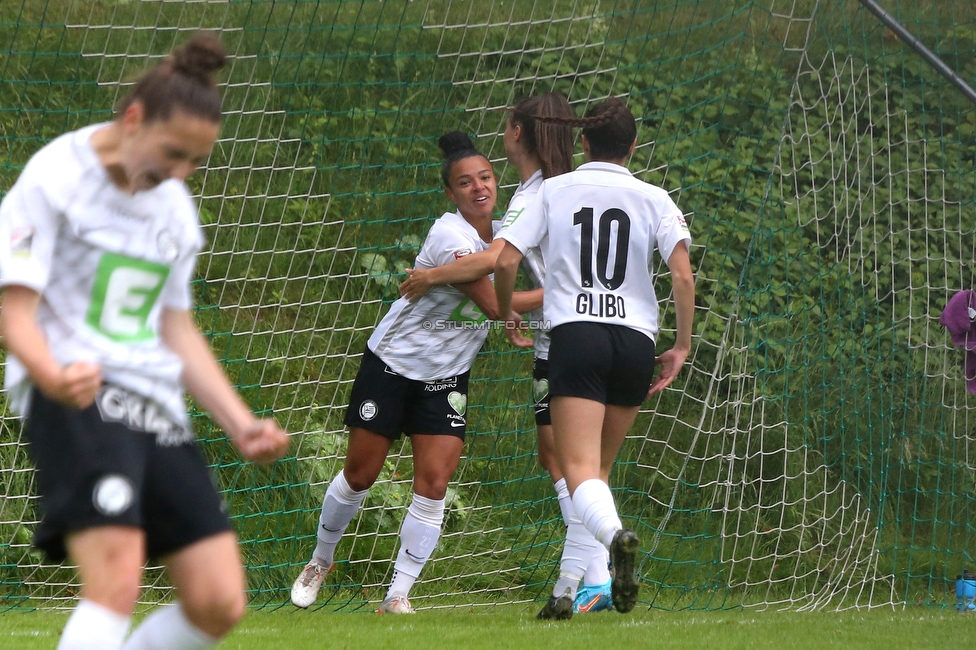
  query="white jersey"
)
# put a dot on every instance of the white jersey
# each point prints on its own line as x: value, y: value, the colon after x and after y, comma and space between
x: 439, y: 335
x: 105, y: 264
x: 598, y: 227
x: 533, y: 262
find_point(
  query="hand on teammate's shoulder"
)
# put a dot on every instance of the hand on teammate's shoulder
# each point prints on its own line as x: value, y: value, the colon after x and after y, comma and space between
x: 263, y: 442
x: 415, y: 286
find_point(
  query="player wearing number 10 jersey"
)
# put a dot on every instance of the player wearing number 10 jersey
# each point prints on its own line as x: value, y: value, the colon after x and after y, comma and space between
x: 598, y: 227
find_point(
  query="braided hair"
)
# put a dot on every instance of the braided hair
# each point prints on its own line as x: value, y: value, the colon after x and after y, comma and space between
x: 551, y: 142
x: 609, y: 127
x: 184, y: 80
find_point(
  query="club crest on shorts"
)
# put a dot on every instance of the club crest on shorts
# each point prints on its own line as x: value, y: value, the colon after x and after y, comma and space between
x: 458, y: 402
x: 368, y: 410
x: 540, y: 388
x: 112, y: 494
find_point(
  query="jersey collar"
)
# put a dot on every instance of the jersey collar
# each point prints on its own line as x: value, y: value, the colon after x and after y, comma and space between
x: 534, y: 182
x: 604, y: 166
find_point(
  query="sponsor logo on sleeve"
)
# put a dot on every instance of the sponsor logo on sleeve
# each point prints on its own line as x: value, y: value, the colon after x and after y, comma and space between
x: 168, y: 248
x: 510, y: 217
x: 21, y: 239
x: 461, y: 253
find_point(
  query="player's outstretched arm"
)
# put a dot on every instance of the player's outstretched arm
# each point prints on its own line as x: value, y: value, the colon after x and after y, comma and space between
x: 506, y: 268
x: 260, y: 440
x: 74, y: 385
x: 482, y: 294
x: 683, y: 282
x: 464, y: 269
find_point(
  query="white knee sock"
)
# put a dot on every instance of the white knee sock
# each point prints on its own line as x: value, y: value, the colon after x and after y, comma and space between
x: 579, y: 543
x: 168, y: 629
x: 565, y: 501
x: 94, y: 627
x: 339, y: 506
x: 597, y: 571
x: 594, y: 505
x: 418, y: 539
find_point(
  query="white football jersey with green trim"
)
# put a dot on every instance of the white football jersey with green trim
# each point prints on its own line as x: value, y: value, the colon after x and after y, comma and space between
x: 598, y: 227
x: 533, y: 262
x: 440, y: 334
x: 105, y: 264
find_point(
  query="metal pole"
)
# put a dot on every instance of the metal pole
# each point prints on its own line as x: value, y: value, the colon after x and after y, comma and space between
x: 927, y: 54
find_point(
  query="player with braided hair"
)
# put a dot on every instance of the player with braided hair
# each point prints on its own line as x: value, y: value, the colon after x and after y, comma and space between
x: 539, y: 150
x: 98, y: 241
x: 599, y: 226
x: 413, y: 380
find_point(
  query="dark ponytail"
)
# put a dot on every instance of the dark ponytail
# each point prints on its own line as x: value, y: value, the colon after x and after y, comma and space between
x: 609, y: 127
x: 182, y: 81
x: 456, y: 146
x: 552, y: 142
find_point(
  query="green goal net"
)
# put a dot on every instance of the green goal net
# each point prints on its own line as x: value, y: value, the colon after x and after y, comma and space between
x: 817, y: 451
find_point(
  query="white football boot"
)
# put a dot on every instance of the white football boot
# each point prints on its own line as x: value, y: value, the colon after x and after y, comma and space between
x: 395, y: 605
x: 306, y: 587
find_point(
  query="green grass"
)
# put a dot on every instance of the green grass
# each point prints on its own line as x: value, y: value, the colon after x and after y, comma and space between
x: 730, y: 498
x: 515, y: 627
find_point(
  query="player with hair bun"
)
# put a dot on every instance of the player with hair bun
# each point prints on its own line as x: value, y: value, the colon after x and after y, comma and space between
x: 413, y: 380
x: 98, y: 242
x: 599, y: 227
x: 539, y: 150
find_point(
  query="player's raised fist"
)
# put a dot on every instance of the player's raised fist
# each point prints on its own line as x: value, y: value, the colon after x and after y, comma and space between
x: 263, y: 442
x: 78, y: 384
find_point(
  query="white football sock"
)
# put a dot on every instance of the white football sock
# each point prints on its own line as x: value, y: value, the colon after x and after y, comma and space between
x: 565, y: 501
x: 339, y: 506
x: 418, y: 538
x: 94, y: 627
x: 593, y: 503
x: 598, y: 570
x: 169, y: 629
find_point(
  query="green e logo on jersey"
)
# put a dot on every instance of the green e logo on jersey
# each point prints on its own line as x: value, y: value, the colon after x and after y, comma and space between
x: 124, y: 292
x: 467, y: 312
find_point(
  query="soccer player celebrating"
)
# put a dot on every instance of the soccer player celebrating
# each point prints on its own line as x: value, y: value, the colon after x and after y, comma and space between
x: 539, y: 150
x: 598, y: 226
x: 98, y: 239
x: 413, y: 380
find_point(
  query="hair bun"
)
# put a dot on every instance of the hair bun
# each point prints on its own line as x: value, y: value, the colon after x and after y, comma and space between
x: 200, y: 57
x: 454, y: 142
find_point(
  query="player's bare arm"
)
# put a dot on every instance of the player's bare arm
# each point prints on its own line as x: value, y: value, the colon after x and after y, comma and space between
x: 75, y: 384
x: 482, y: 294
x: 683, y: 281
x: 464, y: 269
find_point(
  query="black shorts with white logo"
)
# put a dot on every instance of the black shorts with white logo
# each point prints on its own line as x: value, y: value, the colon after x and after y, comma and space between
x: 540, y: 392
x: 100, y: 467
x: 611, y: 364
x: 389, y: 404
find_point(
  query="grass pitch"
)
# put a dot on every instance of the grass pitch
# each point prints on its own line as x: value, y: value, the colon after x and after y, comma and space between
x: 515, y: 627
